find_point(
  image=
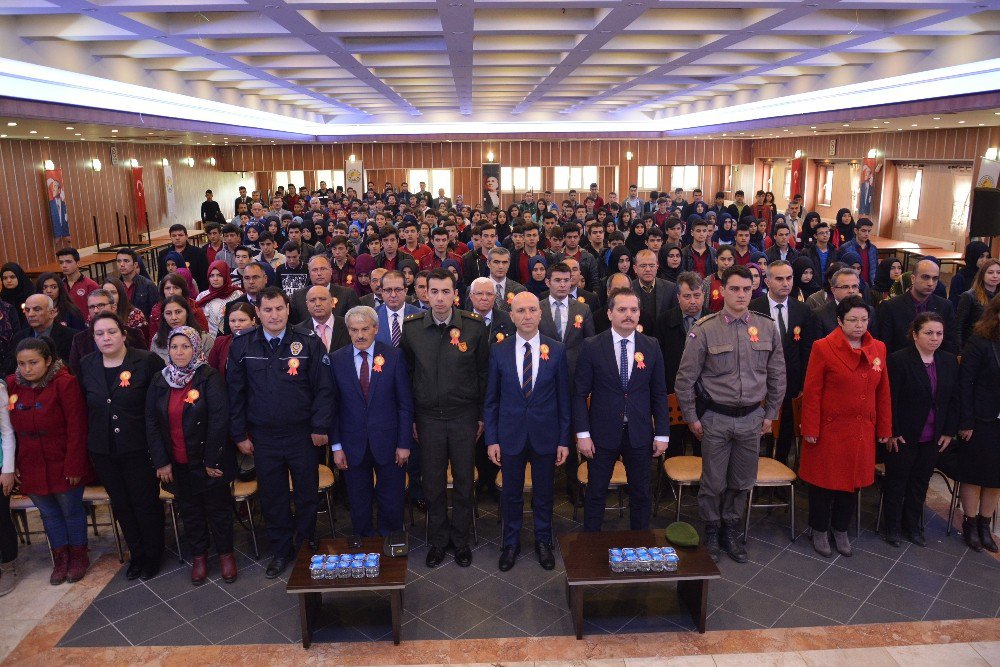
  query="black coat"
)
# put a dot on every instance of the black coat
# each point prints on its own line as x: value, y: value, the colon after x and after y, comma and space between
x: 83, y: 344
x: 117, y: 415
x: 206, y: 422
x: 895, y: 316
x: 61, y: 335
x: 197, y: 263
x: 500, y: 323
x: 979, y: 382
x: 796, y: 351
x: 911, y: 394
x: 339, y: 337
x: 670, y: 332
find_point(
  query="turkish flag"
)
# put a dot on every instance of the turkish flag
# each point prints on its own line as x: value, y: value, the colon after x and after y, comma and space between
x: 139, y: 195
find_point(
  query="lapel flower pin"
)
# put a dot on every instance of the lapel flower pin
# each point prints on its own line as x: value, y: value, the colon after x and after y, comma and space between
x: 124, y: 377
x: 192, y: 396
x: 293, y: 366
x: 754, y: 338
x: 379, y: 362
x: 797, y: 333
x: 543, y: 352
x: 578, y: 322
x: 640, y: 361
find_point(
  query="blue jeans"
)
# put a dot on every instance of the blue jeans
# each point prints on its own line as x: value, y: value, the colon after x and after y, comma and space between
x: 64, y: 518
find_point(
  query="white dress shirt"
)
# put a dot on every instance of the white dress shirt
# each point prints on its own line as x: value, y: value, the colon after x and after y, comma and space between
x: 630, y: 356
x: 357, y: 371
x: 771, y: 303
x: 535, y: 354
x: 560, y: 313
x: 388, y: 317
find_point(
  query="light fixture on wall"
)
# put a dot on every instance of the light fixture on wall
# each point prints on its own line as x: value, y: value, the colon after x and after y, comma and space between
x: 798, y: 154
x: 489, y: 156
x: 352, y: 158
x: 133, y: 162
x: 873, y: 153
x: 189, y: 161
x: 992, y: 153
x: 50, y: 165
x: 95, y: 163
x: 211, y: 162
x: 628, y: 155
x: 166, y: 162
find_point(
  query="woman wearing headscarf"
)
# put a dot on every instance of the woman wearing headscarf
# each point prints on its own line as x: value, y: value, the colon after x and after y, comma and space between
x: 115, y: 382
x: 16, y: 288
x: 456, y: 270
x: 187, y: 413
x: 671, y: 264
x: 843, y: 228
x: 758, y: 286
x: 725, y: 234
x: 174, y: 285
x: 803, y: 279
x: 757, y: 239
x: 408, y: 267
x: 888, y: 272
x: 537, y: 267
x: 809, y: 225
x: 975, y: 253
x: 363, y: 267
x: 621, y: 261
x: 219, y: 293
x: 636, y: 239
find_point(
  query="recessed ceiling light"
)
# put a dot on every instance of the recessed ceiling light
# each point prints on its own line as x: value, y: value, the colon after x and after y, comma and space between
x: 913, y: 124
x: 812, y: 127
x: 77, y: 134
x: 114, y: 131
x: 3, y: 136
x: 242, y: 139
x: 937, y: 117
x: 70, y: 127
x: 982, y: 124
x: 937, y: 127
x: 899, y: 129
x: 961, y: 122
x: 32, y: 131
x: 885, y: 122
x: 83, y: 138
x: 12, y: 124
x: 148, y: 133
x: 846, y: 125
x: 44, y: 137
x: 742, y: 133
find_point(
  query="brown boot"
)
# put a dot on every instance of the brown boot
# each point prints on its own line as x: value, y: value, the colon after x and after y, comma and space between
x: 60, y: 563
x: 199, y: 567
x: 78, y: 563
x: 228, y: 564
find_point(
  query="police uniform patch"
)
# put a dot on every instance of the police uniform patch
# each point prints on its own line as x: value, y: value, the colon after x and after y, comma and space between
x: 326, y: 360
x: 296, y: 347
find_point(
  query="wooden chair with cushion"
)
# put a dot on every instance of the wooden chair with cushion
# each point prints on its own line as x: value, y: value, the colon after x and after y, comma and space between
x: 775, y: 474
x: 245, y: 492
x: 167, y: 499
x: 326, y: 480
x: 94, y: 497
x: 618, y: 482
x: 680, y: 471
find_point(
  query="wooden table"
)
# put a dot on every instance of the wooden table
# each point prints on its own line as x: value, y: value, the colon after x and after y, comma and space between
x: 94, y: 264
x: 887, y: 246
x: 392, y: 578
x: 586, y: 559
x: 942, y: 255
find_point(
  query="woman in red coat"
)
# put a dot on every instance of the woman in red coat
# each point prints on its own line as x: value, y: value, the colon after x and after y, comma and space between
x: 242, y: 317
x: 49, y: 418
x: 846, y: 405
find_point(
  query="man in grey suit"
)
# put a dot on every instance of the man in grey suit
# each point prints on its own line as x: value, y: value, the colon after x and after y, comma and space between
x: 505, y: 288
x: 656, y: 295
x: 483, y: 302
x: 374, y: 300
x: 569, y: 322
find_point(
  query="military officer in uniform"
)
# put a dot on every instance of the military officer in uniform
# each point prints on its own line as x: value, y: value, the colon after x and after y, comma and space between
x: 281, y: 402
x: 448, y: 351
x: 732, y: 363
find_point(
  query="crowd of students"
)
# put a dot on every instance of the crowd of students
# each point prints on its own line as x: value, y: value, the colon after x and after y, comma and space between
x: 133, y: 383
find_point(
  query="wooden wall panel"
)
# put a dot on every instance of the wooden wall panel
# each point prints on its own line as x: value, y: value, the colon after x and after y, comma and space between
x: 24, y: 218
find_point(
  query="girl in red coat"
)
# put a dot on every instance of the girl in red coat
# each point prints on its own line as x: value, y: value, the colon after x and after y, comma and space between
x: 846, y: 405
x: 50, y: 420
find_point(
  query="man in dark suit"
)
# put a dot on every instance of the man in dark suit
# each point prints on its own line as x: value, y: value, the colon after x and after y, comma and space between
x: 621, y: 371
x: 244, y: 198
x: 372, y: 426
x: 330, y: 329
x: 526, y: 417
x: 40, y: 314
x: 193, y: 256
x: 476, y: 263
x: 374, y: 299
x: 393, y: 310
x: 504, y: 287
x: 321, y: 273
x: 797, y: 327
x: 576, y: 292
x: 672, y: 329
x: 897, y: 314
x: 843, y: 283
x: 656, y: 295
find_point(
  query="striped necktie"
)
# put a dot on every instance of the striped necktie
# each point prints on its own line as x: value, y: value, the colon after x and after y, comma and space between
x: 526, y: 371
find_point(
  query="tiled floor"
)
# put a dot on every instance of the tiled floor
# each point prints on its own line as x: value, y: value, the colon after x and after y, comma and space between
x: 786, y: 585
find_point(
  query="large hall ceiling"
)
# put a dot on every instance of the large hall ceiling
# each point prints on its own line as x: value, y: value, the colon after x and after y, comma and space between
x: 369, y: 61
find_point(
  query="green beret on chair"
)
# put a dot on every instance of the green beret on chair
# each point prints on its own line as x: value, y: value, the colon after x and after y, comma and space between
x: 682, y: 534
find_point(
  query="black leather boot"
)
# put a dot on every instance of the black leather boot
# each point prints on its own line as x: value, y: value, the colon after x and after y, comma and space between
x: 970, y: 530
x: 712, y: 540
x: 986, y: 535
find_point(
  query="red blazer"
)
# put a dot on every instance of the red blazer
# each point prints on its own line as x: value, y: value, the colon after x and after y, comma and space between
x: 846, y: 404
x: 51, y: 428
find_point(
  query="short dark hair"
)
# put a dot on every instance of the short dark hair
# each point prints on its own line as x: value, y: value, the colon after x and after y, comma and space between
x: 273, y: 293
x: 73, y: 252
x: 850, y: 303
x: 243, y: 248
x: 923, y: 318
x: 738, y: 192
x: 337, y: 240
x: 177, y: 227
x: 864, y: 222
x: 439, y: 231
x: 388, y: 231
x: 291, y: 246
x: 441, y: 274
x: 230, y: 228
x: 212, y: 227
x: 692, y: 279
x: 737, y: 270
x: 621, y: 291
x: 558, y: 267
x: 107, y: 315
x: 128, y: 251
x: 266, y: 236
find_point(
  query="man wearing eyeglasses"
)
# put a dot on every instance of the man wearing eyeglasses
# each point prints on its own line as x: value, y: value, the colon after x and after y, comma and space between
x: 844, y: 283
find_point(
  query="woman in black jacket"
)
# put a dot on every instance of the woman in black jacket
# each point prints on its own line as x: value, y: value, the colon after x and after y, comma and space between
x: 115, y: 380
x: 924, y: 384
x: 187, y: 416
x: 979, y: 427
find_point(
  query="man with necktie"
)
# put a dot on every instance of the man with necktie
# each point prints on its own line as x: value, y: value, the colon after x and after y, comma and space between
x: 527, y: 420
x: 394, y: 309
x: 322, y: 323
x: 621, y: 371
x: 372, y: 426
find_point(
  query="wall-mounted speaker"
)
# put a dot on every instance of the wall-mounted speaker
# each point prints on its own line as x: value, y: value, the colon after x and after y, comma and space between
x: 984, y: 218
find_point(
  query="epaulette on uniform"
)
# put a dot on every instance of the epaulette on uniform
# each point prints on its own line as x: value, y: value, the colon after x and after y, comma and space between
x: 706, y: 319
x: 414, y: 317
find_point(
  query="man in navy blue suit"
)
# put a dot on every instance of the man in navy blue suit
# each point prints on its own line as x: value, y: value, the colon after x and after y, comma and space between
x: 622, y: 372
x: 372, y: 426
x: 526, y: 417
x: 393, y: 310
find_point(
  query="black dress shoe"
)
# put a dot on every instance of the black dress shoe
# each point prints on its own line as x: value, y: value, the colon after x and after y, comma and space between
x: 150, y: 569
x: 545, y: 557
x: 420, y: 505
x: 435, y: 556
x: 134, y: 570
x: 508, y: 557
x: 463, y: 556
x: 276, y: 567
x: 892, y: 539
x: 916, y: 537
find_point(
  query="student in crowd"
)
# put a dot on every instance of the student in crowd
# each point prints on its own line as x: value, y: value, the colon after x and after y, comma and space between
x: 8, y: 536
x: 67, y: 311
x: 888, y: 272
x: 979, y: 429
x: 176, y: 313
x: 803, y: 285
x: 49, y: 418
x: 972, y: 303
x: 187, y: 414
x: 141, y: 290
x: 130, y: 314
x: 174, y: 284
x: 976, y: 252
x: 846, y: 405
x: 115, y: 383
x: 16, y: 288
x: 725, y: 258
x: 925, y: 408
x: 192, y: 257
x: 241, y: 318
x: 77, y: 285
x: 897, y: 314
x: 862, y: 245
x: 213, y: 301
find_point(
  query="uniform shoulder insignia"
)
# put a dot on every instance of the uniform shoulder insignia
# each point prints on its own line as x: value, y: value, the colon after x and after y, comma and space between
x: 765, y: 316
x: 414, y: 316
x: 706, y: 319
x: 474, y: 316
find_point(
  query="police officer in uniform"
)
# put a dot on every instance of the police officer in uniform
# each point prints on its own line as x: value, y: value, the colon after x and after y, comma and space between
x: 280, y: 399
x: 732, y: 362
x: 448, y: 351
